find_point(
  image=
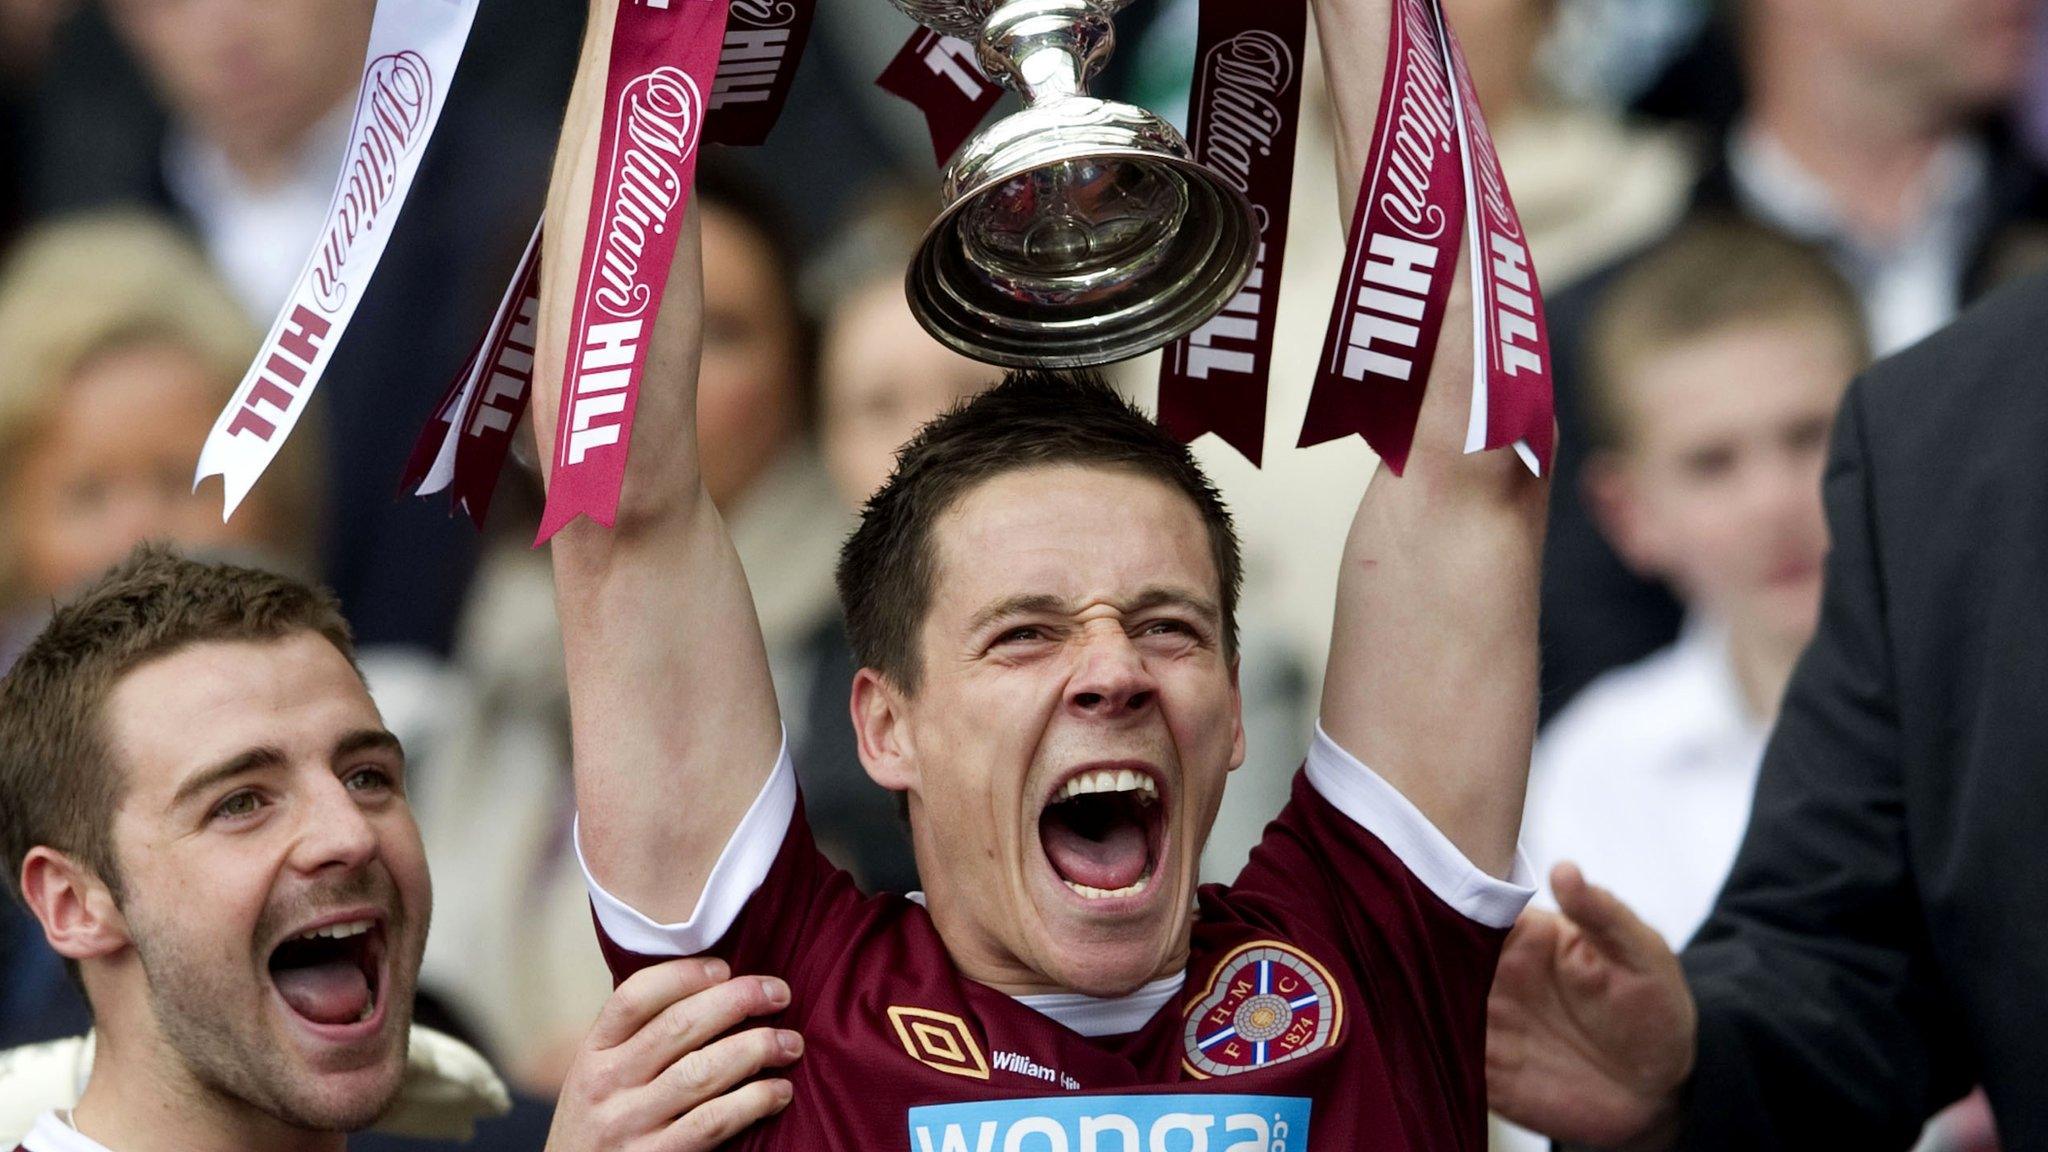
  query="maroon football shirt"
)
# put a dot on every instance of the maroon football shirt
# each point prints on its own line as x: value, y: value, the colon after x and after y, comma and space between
x: 1335, y: 997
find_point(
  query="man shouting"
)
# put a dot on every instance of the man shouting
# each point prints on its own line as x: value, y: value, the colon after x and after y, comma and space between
x: 1042, y: 600
x: 208, y: 818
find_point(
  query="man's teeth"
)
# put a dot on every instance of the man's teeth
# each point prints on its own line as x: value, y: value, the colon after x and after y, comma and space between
x: 1101, y: 894
x: 1108, y: 780
x: 338, y: 931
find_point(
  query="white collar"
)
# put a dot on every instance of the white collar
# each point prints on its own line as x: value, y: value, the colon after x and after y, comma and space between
x: 1721, y: 714
x: 1094, y: 1016
x: 199, y: 173
x: 53, y: 1134
x: 1785, y: 192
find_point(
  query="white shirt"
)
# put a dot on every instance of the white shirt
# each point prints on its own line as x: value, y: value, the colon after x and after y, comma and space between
x: 1645, y: 782
x: 1908, y: 289
x: 258, y: 236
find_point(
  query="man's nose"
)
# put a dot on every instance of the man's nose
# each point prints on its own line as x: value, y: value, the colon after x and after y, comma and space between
x: 1112, y: 680
x: 334, y: 831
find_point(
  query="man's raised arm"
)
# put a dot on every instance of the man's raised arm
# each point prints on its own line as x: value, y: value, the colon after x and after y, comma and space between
x: 1432, y: 673
x: 675, y: 725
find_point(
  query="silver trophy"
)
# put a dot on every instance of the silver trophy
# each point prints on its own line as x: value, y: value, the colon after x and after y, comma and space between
x: 1077, y: 231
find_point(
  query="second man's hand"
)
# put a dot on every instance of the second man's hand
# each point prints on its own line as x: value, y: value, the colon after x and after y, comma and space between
x: 658, y: 1072
x: 1590, y: 1029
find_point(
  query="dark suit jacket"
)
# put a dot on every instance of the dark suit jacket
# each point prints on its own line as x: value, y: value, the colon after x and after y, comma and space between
x: 1882, y: 942
x: 1598, y: 615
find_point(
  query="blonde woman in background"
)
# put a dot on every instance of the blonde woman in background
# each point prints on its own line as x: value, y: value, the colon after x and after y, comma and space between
x: 118, y: 347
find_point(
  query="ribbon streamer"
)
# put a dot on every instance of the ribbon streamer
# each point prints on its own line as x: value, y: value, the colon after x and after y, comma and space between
x: 1433, y: 179
x: 465, y: 445
x: 1512, y: 398
x: 940, y: 76
x: 1402, y: 254
x: 764, y: 40
x: 663, y: 64
x: 414, y: 48
x: 1243, y: 116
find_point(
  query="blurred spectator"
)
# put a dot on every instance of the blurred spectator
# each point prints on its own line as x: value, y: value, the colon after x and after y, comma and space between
x: 232, y: 114
x: 1861, y: 134
x: 260, y: 96
x: 121, y: 350
x: 1716, y: 365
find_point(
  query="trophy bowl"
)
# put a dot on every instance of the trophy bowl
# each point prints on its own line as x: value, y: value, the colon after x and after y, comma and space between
x: 1078, y: 231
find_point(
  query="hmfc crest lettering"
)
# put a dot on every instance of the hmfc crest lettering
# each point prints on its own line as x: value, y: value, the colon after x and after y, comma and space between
x: 939, y: 1040
x: 1267, y: 1003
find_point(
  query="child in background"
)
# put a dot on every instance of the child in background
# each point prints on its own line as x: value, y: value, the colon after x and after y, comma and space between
x: 1717, y: 363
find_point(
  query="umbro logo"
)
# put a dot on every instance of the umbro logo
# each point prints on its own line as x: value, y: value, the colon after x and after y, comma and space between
x: 939, y: 1040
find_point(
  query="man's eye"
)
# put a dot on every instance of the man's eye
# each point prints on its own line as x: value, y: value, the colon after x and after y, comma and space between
x: 238, y: 805
x: 1023, y: 635
x: 368, y: 780
x: 1167, y: 628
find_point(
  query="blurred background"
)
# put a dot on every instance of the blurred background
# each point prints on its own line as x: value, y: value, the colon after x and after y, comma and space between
x: 1734, y: 206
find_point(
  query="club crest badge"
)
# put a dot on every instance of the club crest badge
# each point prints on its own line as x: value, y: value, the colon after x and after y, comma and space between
x: 1266, y: 1003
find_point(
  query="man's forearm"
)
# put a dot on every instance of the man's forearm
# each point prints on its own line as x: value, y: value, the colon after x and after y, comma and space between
x: 674, y: 720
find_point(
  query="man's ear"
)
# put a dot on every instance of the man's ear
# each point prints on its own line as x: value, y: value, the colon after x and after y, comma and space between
x: 1237, y: 748
x: 77, y: 910
x: 1613, y: 496
x: 880, y: 730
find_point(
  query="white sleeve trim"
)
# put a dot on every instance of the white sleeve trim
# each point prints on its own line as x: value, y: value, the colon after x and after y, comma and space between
x: 742, y: 867
x: 1380, y: 808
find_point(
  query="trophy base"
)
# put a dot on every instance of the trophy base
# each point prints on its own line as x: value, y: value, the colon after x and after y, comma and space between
x: 1079, y: 233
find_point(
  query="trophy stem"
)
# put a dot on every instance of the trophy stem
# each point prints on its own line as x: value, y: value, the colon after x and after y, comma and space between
x: 1046, y: 50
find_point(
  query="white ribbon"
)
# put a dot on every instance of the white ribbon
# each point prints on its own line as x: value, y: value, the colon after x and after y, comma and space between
x: 414, y: 47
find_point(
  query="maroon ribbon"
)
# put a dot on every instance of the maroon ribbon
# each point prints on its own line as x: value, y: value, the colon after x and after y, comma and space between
x: 1402, y: 254
x: 446, y: 411
x: 1512, y: 397
x: 501, y: 399
x: 764, y: 40
x: 484, y: 403
x: 663, y: 63
x: 1243, y: 115
x: 940, y: 76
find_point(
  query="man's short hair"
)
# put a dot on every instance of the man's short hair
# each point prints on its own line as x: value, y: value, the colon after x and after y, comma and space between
x: 1032, y: 419
x: 1714, y: 273
x: 59, y: 784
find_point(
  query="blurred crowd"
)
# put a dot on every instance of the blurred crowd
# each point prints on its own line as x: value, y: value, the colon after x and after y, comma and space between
x: 1734, y: 206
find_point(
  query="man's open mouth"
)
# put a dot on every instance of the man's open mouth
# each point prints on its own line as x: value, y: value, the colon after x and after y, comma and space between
x: 331, y: 974
x: 1103, y: 831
